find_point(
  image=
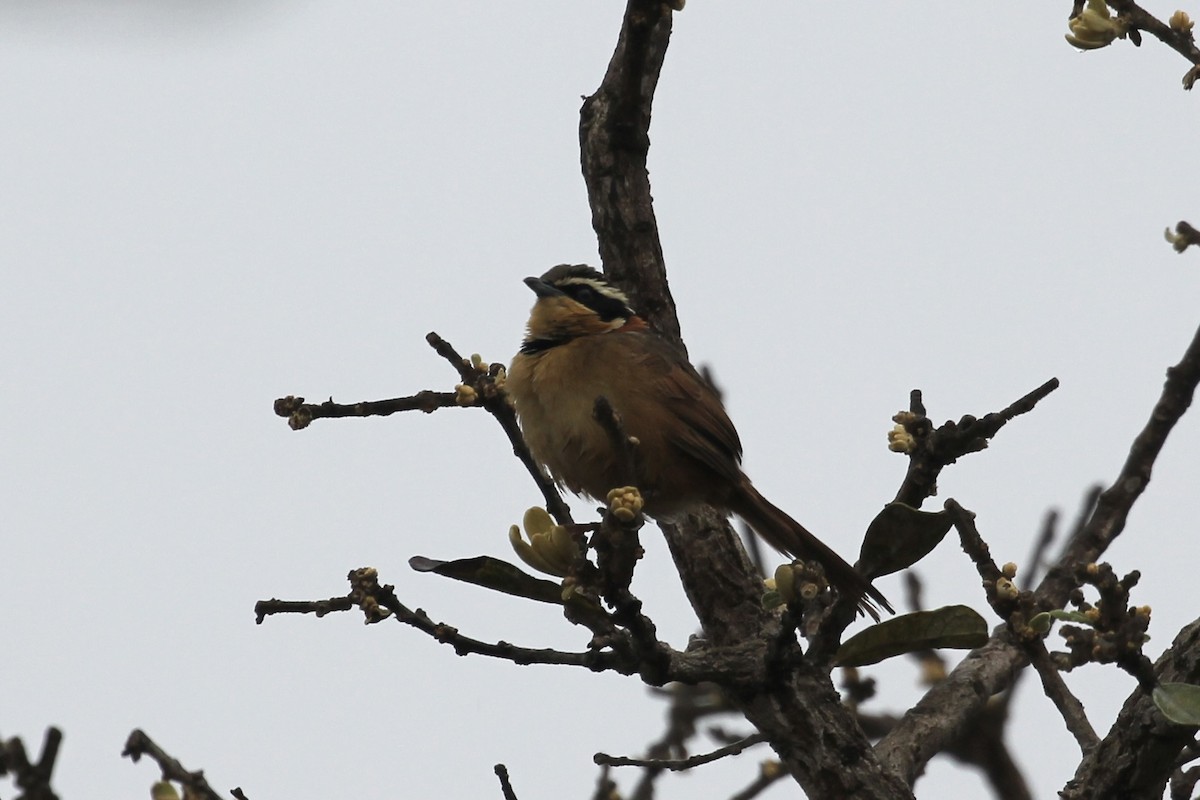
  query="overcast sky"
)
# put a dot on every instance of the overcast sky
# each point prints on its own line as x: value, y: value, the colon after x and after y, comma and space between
x: 206, y: 206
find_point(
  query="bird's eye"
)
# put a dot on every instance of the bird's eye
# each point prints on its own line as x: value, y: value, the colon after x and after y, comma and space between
x: 585, y: 294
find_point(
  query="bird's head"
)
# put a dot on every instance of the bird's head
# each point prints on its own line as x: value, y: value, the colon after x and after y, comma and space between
x: 575, y: 300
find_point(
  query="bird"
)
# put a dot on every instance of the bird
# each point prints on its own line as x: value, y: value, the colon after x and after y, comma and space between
x: 584, y: 341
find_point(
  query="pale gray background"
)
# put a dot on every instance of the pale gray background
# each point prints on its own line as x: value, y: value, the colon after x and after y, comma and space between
x: 210, y: 205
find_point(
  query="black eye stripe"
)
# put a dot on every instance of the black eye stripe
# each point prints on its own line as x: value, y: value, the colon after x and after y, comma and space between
x: 609, y: 308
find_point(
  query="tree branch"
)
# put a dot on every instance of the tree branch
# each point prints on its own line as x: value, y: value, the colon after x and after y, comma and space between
x: 1068, y: 705
x: 487, y: 390
x: 1114, y: 503
x: 139, y: 744
x: 614, y: 125
x: 737, y: 665
x: 801, y: 714
x: 677, y: 764
x: 505, y: 784
x: 1179, y: 40
x: 941, y: 714
x: 1141, y: 750
x: 937, y: 448
x: 33, y: 779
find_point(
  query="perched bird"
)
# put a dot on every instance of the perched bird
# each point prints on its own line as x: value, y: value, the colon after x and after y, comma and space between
x: 584, y: 341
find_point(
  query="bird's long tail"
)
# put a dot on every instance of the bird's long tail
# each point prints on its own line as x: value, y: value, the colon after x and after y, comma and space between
x: 790, y: 537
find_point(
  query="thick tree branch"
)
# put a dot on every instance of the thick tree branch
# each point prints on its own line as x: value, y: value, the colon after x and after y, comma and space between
x: 1136, y: 758
x: 1114, y: 504
x: 801, y: 715
x: 614, y: 139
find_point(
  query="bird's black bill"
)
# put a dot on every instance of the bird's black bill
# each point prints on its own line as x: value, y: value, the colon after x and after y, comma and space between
x: 542, y: 288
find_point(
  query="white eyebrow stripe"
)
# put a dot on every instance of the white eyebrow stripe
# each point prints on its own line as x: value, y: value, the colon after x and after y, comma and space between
x: 603, y: 288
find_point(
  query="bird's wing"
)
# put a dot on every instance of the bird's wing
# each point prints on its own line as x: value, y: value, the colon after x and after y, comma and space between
x: 706, y: 434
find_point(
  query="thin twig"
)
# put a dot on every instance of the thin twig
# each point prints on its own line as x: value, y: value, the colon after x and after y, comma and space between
x: 972, y: 542
x: 139, y: 744
x: 32, y: 778
x: 677, y: 764
x: 496, y: 403
x: 300, y: 414
x: 1037, y: 555
x: 769, y: 773
x: 1180, y: 41
x: 1016, y: 609
x: 1183, y: 783
x: 1068, y: 704
x: 505, y: 785
x: 689, y: 704
x: 625, y: 447
x: 606, y: 788
x: 736, y: 666
x: 937, y: 448
x: 265, y: 608
x: 1114, y: 503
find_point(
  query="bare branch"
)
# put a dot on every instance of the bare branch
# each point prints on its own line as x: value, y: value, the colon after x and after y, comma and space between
x: 937, y: 448
x: 492, y: 398
x: 1113, y: 505
x: 505, y: 785
x: 769, y: 772
x: 265, y: 608
x: 300, y: 414
x: 614, y: 140
x: 1142, y: 748
x: 139, y: 744
x: 677, y: 764
x: 1068, y: 705
x: 32, y: 778
x: 1183, y: 783
x: 940, y: 715
x: 622, y: 443
x: 1178, y: 39
x: 736, y: 666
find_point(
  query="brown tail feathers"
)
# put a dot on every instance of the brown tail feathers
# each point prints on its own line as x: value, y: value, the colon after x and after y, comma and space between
x: 790, y: 537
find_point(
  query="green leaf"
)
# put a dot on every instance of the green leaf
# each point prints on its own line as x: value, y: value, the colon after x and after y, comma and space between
x: 1044, y: 620
x: 772, y: 599
x: 899, y: 537
x: 1041, y: 622
x: 1179, y: 702
x: 492, y: 573
x: 957, y: 627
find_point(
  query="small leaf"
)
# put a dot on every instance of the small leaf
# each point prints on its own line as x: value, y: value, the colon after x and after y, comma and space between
x: 899, y: 537
x: 1041, y: 622
x: 772, y: 599
x: 1179, y: 702
x: 957, y: 627
x: 492, y: 573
